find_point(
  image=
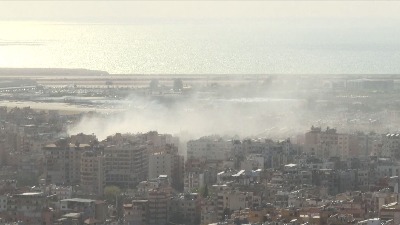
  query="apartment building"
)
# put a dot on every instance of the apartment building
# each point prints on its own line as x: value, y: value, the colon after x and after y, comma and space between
x: 155, y: 140
x: 28, y: 208
x: 3, y: 203
x: 322, y: 144
x: 253, y: 162
x: 209, y: 211
x: 125, y: 164
x: 210, y: 148
x: 158, y: 207
x: 83, y: 138
x: 5, y: 148
x: 167, y: 162
x: 229, y: 200
x: 193, y: 180
x: 390, y: 211
x: 274, y: 153
x: 391, y: 146
x: 63, y: 162
x: 387, y: 168
x: 88, y: 208
x: 185, y: 209
x: 92, y: 172
x: 136, y: 213
x: 62, y: 192
x: 162, y: 183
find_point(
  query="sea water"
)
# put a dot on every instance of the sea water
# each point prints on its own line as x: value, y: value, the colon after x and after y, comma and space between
x: 205, y: 47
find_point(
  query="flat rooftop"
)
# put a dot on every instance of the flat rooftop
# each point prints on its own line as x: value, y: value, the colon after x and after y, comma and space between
x: 81, y: 200
x: 30, y: 194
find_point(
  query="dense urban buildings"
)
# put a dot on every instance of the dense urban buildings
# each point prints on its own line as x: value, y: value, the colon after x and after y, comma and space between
x: 335, y: 170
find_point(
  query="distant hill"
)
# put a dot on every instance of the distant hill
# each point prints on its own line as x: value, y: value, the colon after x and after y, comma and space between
x: 50, y: 72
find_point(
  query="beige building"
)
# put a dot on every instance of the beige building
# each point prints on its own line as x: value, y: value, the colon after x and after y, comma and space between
x: 87, y: 208
x: 62, y: 192
x: 391, y: 146
x: 136, y: 213
x: 209, y: 212
x: 158, y: 207
x: 185, y: 209
x: 323, y: 144
x: 161, y: 163
x: 167, y: 162
x: 253, y: 162
x: 229, y: 200
x: 197, y: 174
x: 27, y: 208
x: 125, y: 164
x: 156, y: 140
x: 390, y: 212
x: 92, y: 173
x: 193, y: 180
x: 329, y: 143
x: 63, y: 162
x: 152, y: 210
x: 83, y: 138
x: 4, y: 150
x: 209, y: 148
x: 161, y: 184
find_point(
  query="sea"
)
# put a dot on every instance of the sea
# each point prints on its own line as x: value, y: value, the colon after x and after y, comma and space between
x: 273, y: 46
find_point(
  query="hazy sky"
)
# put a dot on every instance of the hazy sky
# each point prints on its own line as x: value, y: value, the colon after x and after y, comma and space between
x: 204, y: 36
x: 104, y: 11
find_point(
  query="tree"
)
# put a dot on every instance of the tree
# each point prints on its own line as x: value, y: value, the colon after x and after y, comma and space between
x: 27, y: 179
x: 204, y: 191
x: 226, y: 213
x: 111, y: 192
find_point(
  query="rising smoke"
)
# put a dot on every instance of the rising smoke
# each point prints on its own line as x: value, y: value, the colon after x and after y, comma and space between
x: 194, y: 117
x: 272, y: 108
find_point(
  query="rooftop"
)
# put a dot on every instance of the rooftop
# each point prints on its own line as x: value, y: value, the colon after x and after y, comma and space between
x: 30, y: 194
x: 72, y: 215
x: 81, y: 200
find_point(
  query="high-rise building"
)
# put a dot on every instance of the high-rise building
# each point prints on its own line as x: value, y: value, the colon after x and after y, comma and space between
x: 329, y: 143
x: 92, y: 172
x: 391, y: 146
x: 167, y: 162
x: 28, y: 208
x: 63, y: 162
x: 125, y: 164
x: 136, y: 213
x: 158, y: 207
x: 209, y: 148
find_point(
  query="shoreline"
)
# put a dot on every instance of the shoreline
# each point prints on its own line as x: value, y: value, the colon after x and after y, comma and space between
x: 78, y: 72
x: 62, y: 108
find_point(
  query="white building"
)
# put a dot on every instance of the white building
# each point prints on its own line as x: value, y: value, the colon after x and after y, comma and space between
x: 209, y: 148
x: 167, y: 163
x: 374, y: 221
x: 233, y: 200
x: 61, y: 191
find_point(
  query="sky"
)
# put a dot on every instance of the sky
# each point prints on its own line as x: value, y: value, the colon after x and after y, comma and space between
x: 126, y: 11
x: 204, y: 36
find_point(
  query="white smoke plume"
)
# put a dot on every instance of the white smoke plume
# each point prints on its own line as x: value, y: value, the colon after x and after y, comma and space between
x: 194, y: 117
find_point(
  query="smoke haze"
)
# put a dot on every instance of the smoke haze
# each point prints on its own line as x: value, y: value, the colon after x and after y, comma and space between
x: 195, y: 117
